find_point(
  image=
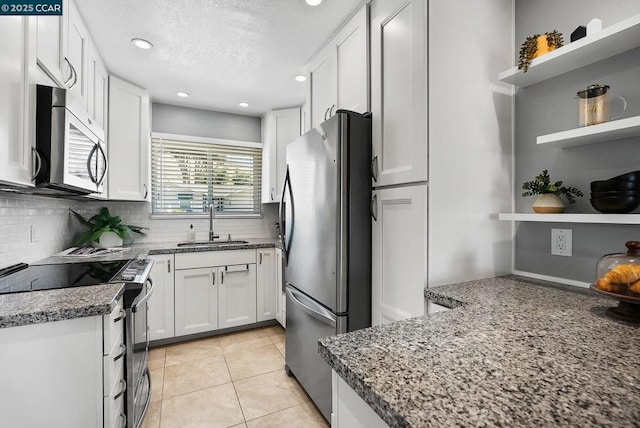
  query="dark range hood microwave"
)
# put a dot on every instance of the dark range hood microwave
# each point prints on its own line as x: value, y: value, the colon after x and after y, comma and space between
x: 70, y: 148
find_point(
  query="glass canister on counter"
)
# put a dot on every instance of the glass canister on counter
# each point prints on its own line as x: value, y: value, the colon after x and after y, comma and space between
x: 620, y: 273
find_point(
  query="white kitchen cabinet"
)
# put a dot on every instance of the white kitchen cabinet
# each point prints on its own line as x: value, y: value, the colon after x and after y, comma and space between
x: 398, y: 91
x: 348, y: 409
x: 128, y: 143
x: 98, y: 87
x: 237, y: 295
x: 196, y: 300
x: 281, y: 297
x: 16, y: 163
x: 434, y: 308
x: 162, y: 301
x: 51, y: 46
x: 77, y: 49
x: 399, y: 253
x: 266, y: 284
x: 339, y: 75
x: 63, y: 374
x: 280, y: 127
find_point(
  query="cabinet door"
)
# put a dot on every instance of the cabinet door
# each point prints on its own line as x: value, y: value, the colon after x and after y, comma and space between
x: 77, y: 50
x: 398, y: 76
x: 237, y: 295
x: 161, y: 303
x: 266, y: 285
x: 322, y: 85
x: 196, y: 301
x: 50, y: 46
x: 281, y: 297
x: 128, y: 142
x: 352, y: 50
x: 15, y: 146
x: 399, y: 253
x: 97, y: 87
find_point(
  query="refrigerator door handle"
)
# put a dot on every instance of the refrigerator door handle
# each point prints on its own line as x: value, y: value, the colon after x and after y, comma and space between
x: 282, y: 214
x: 374, y: 168
x: 374, y: 207
x: 311, y: 307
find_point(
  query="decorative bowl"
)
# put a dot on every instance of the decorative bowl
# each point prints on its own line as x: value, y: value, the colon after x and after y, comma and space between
x: 616, y: 204
x: 610, y: 186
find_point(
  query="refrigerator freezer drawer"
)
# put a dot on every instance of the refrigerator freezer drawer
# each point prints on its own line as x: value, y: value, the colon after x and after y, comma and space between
x: 306, y: 323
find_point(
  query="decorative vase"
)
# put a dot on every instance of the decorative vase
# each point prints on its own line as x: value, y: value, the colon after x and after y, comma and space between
x: 108, y: 240
x: 548, y: 203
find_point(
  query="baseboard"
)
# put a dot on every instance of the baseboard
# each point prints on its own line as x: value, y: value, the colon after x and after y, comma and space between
x: 552, y: 279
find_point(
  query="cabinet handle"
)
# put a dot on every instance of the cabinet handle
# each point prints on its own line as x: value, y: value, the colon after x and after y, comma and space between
x: 260, y: 257
x: 120, y: 317
x: 66, y: 82
x: 272, y: 190
x: 75, y: 76
x: 146, y: 192
x: 123, y: 350
x: 374, y: 207
x: 331, y: 110
x: 326, y: 112
x: 168, y: 265
x: 124, y: 388
x: 374, y: 168
x: 38, y: 162
x: 123, y: 418
x: 214, y: 277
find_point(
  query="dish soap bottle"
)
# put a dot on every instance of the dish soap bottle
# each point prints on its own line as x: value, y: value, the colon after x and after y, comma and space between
x: 192, y: 234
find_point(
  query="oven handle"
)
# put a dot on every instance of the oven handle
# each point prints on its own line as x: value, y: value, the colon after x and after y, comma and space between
x: 134, y: 308
x: 146, y: 405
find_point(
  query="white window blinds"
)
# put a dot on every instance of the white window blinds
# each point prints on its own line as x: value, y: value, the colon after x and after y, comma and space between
x: 188, y: 176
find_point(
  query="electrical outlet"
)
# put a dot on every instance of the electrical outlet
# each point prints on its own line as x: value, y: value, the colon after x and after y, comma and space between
x: 561, y: 242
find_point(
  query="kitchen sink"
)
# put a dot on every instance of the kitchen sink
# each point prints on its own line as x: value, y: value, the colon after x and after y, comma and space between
x: 210, y: 243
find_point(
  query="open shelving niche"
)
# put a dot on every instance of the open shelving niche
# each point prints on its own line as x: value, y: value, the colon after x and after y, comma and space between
x: 572, y: 218
x: 613, y: 40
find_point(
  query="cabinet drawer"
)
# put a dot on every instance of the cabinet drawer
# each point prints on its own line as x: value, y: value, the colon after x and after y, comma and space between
x: 214, y: 258
x: 114, y: 402
x: 113, y: 328
x: 113, y: 368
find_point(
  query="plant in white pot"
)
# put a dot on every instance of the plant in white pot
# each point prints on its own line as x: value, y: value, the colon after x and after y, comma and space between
x: 105, y: 230
x: 548, y: 200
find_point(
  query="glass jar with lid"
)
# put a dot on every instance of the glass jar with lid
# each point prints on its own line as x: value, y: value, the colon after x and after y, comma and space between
x: 620, y: 272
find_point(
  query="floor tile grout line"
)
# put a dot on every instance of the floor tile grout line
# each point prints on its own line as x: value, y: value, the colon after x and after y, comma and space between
x: 237, y: 396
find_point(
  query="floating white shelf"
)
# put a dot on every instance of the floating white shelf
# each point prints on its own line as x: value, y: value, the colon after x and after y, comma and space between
x: 572, y: 218
x: 613, y: 40
x: 608, y: 131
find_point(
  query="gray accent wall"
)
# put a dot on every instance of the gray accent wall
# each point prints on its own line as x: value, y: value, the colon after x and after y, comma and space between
x: 550, y: 106
x: 195, y: 122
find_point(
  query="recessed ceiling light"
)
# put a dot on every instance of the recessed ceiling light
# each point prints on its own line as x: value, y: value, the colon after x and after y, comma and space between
x: 142, y: 43
x: 243, y: 104
x: 182, y: 94
x: 301, y: 77
x: 313, y: 2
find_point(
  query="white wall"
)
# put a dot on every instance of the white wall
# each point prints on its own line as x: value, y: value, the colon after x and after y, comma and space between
x: 470, y: 139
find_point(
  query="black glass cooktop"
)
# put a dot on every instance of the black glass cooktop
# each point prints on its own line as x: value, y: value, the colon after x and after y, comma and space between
x: 21, y: 278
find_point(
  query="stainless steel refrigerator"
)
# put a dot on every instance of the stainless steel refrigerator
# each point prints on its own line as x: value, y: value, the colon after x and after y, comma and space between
x: 325, y: 228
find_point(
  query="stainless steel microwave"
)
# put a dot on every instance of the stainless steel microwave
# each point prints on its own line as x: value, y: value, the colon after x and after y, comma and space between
x: 71, y: 153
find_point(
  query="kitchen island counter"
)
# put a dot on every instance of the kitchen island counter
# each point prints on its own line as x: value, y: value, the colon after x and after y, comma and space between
x: 513, y: 352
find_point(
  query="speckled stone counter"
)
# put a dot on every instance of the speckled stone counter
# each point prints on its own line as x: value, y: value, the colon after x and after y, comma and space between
x: 513, y: 352
x: 55, y: 305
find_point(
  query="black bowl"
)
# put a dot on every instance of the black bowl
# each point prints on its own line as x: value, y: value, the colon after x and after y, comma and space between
x: 615, y: 193
x: 630, y: 176
x: 610, y: 186
x: 616, y: 205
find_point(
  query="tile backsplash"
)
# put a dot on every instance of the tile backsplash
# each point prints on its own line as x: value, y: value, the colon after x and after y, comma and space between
x: 34, y: 227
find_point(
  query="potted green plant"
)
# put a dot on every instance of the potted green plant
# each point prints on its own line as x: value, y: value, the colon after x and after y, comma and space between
x: 548, y: 200
x: 105, y: 230
x: 538, y: 45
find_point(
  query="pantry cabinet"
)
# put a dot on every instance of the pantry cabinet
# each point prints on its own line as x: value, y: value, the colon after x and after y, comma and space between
x: 128, y: 142
x: 399, y: 253
x: 162, y: 301
x: 339, y: 75
x: 280, y: 127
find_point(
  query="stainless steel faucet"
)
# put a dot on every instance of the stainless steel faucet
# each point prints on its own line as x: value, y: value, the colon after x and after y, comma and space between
x: 212, y: 235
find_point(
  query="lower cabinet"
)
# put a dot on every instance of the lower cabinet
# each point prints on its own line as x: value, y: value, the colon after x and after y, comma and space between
x: 66, y: 373
x: 266, y: 285
x: 348, y: 410
x: 196, y: 309
x: 161, y: 303
x: 281, y: 297
x: 237, y: 295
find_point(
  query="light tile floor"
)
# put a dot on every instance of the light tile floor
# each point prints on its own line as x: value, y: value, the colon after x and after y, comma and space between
x: 234, y: 380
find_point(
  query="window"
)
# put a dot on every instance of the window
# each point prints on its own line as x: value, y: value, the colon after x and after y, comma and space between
x: 189, y: 173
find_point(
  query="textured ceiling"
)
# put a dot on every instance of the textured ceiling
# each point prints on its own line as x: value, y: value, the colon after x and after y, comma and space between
x: 221, y: 52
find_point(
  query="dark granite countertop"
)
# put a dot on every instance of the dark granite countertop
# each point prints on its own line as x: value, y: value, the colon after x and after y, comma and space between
x: 513, y: 352
x: 76, y: 302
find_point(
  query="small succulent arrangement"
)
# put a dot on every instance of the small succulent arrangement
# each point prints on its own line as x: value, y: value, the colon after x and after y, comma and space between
x: 542, y: 184
x: 101, y: 223
x: 530, y: 47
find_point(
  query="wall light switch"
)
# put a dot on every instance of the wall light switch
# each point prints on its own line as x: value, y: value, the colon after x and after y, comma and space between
x: 561, y: 242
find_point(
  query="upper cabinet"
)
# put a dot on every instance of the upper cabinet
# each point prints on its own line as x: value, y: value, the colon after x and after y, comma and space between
x: 16, y: 164
x: 51, y: 47
x: 77, y: 53
x: 128, y: 144
x: 338, y: 76
x: 98, y: 87
x: 398, y: 94
x: 279, y: 128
